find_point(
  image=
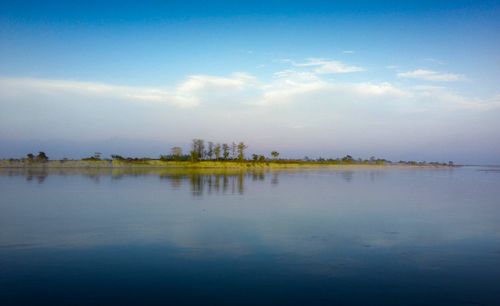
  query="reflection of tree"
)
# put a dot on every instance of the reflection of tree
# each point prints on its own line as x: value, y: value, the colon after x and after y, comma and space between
x: 233, y: 186
x: 217, y: 183
x: 274, y: 179
x: 241, y: 183
x: 225, y: 184
x: 258, y: 176
x: 39, y: 174
x: 377, y: 175
x: 209, y: 184
x: 175, y: 181
x: 201, y: 181
x: 94, y: 176
x: 196, y: 184
x: 41, y: 178
x: 347, y: 175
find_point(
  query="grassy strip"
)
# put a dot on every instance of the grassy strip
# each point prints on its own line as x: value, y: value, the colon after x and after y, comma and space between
x: 150, y: 163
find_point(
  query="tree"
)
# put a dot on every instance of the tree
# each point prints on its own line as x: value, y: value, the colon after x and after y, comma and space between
x: 42, y: 157
x: 241, y: 151
x: 233, y: 150
x: 255, y: 157
x: 97, y: 155
x: 348, y: 159
x: 176, y: 153
x: 198, y: 149
x: 210, y: 151
x: 117, y: 157
x: 275, y: 154
x: 217, y: 151
x: 262, y: 158
x: 194, y: 156
x: 30, y: 157
x: 225, y: 150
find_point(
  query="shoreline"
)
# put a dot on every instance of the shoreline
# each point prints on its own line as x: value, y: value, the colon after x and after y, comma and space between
x: 250, y: 165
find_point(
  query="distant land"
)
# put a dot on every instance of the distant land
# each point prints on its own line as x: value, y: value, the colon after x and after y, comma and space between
x: 206, y: 155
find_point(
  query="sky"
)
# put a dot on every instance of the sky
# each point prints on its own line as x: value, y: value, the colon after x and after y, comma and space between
x: 402, y: 80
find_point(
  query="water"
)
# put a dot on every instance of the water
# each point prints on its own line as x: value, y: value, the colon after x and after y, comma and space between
x: 362, y: 237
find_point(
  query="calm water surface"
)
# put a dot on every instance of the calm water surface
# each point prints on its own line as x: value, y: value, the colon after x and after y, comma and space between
x: 363, y: 237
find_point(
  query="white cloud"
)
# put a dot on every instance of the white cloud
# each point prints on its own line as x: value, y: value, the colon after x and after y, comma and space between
x: 379, y: 89
x: 288, y: 85
x: 447, y: 98
x: 26, y: 86
x: 197, y: 88
x: 291, y: 86
x: 295, y: 76
x: 430, y: 75
x: 239, y: 89
x: 189, y: 93
x: 325, y: 66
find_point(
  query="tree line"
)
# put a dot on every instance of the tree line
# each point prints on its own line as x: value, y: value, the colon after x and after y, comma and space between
x: 212, y: 151
x: 41, y: 157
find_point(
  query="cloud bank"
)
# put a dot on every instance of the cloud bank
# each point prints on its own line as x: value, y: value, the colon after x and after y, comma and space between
x: 324, y: 114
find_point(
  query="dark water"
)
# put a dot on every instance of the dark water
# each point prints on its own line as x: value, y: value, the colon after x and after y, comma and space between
x: 364, y: 237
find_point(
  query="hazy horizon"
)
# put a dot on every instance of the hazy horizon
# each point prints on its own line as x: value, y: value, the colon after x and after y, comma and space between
x: 402, y: 80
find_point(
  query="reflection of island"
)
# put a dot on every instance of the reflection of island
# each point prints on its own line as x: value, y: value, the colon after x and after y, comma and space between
x: 217, y: 183
x: 200, y: 181
x: 40, y: 177
x: 224, y: 182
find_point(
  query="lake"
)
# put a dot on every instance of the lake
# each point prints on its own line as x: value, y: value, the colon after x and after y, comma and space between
x: 366, y: 236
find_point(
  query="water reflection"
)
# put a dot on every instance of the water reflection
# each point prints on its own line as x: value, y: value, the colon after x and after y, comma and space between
x: 201, y: 181
x: 209, y: 183
x: 347, y: 175
x: 306, y: 233
x: 40, y: 178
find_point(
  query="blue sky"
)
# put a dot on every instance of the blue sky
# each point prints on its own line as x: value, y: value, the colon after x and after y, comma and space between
x: 397, y: 79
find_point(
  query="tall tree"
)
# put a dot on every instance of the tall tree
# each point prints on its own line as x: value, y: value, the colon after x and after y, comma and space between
x: 198, y: 149
x: 217, y: 151
x: 225, y: 150
x: 176, y: 151
x: 348, y: 159
x: 210, y: 151
x: 275, y: 154
x: 234, y: 148
x: 241, y: 151
x: 42, y: 157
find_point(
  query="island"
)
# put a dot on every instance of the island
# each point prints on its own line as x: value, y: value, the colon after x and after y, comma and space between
x: 209, y: 155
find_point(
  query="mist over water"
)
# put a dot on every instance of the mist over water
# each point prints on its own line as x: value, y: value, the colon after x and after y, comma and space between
x: 351, y: 236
